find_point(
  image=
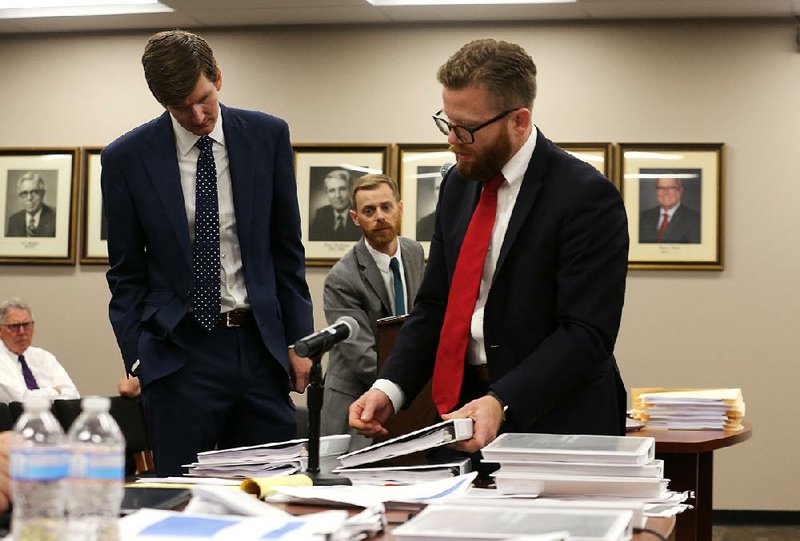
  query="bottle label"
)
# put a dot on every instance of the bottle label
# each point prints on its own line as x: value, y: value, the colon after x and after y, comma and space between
x: 39, y: 464
x: 102, y: 466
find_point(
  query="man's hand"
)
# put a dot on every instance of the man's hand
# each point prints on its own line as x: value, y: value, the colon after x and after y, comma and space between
x: 369, y: 412
x: 5, y: 484
x: 301, y: 368
x: 487, y: 414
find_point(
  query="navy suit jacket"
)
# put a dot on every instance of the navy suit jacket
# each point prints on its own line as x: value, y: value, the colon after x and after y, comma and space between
x: 150, y: 254
x: 554, y: 307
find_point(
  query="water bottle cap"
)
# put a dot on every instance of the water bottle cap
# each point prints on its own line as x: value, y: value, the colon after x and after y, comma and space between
x: 35, y: 402
x: 96, y: 403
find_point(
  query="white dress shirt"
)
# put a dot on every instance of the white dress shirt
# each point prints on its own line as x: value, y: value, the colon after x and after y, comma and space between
x: 53, y: 380
x: 507, y: 193
x: 382, y: 261
x: 233, y: 293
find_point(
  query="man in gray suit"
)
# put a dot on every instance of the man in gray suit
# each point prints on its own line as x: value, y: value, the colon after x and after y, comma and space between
x: 378, y: 277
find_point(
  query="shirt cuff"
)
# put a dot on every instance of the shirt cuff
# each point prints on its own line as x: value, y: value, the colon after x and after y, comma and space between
x: 396, y: 395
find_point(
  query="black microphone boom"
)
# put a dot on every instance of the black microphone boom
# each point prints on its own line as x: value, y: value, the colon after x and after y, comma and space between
x: 344, y: 329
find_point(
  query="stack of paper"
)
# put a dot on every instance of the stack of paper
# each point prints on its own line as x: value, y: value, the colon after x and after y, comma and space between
x: 265, y: 460
x: 390, y: 474
x: 467, y: 523
x: 370, y: 465
x: 689, y: 409
x: 420, y: 440
x: 576, y: 465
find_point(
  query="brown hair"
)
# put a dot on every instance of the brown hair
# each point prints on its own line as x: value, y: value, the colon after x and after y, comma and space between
x: 372, y: 182
x: 504, y: 69
x: 173, y: 61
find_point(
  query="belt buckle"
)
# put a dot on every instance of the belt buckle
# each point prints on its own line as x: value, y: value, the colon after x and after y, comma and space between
x: 229, y: 320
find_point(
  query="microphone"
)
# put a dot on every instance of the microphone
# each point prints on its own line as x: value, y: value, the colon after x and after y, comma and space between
x: 344, y: 329
x: 445, y: 169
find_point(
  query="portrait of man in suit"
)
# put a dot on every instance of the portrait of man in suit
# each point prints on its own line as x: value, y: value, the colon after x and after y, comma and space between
x: 672, y: 221
x: 35, y: 219
x: 332, y: 221
x: 429, y: 179
x: 378, y: 277
x: 207, y: 267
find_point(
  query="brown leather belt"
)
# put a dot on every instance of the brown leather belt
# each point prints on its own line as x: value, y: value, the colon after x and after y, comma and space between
x: 481, y: 371
x: 236, y: 318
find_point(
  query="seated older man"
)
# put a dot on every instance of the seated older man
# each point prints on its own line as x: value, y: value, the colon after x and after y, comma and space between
x: 23, y: 368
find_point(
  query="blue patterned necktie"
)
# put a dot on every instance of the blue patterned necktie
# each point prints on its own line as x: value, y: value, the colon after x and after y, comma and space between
x: 205, y: 253
x: 30, y: 381
x: 399, y: 296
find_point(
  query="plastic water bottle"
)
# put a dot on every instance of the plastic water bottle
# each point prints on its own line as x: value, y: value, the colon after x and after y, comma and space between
x: 96, y: 475
x: 38, y: 467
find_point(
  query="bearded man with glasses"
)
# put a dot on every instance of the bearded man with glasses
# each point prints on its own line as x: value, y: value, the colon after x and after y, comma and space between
x: 24, y: 368
x: 521, y: 302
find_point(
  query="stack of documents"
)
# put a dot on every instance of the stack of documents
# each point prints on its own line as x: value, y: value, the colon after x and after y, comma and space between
x: 576, y: 465
x: 390, y: 474
x: 689, y: 409
x: 265, y: 460
x: 420, y: 440
x: 369, y: 465
x: 467, y: 523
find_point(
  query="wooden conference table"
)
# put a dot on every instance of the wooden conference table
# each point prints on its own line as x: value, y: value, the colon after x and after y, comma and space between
x: 664, y: 526
x: 689, y: 465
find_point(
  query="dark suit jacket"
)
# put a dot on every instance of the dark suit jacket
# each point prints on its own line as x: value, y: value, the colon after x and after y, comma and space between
x: 322, y: 227
x: 554, y: 308
x: 684, y: 228
x: 17, y: 224
x: 150, y: 254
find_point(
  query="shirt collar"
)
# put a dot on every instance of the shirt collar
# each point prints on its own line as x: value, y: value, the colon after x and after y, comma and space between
x: 185, y: 140
x: 381, y: 259
x: 515, y: 168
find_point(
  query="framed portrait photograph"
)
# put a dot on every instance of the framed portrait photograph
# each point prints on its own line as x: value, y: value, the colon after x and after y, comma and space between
x: 94, y: 227
x: 324, y: 176
x: 599, y: 155
x: 673, y: 194
x: 419, y: 174
x: 39, y: 197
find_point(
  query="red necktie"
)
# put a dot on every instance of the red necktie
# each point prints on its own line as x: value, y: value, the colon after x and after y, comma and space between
x: 663, y: 228
x: 448, y: 373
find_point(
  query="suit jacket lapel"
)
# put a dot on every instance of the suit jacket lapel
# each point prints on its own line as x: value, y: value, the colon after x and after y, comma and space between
x: 372, y: 275
x: 531, y: 183
x: 241, y: 159
x: 162, y: 165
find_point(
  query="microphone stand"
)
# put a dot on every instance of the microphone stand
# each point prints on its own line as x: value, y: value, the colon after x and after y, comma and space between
x: 315, y: 394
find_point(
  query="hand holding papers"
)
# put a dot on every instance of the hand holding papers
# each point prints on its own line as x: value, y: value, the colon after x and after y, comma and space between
x: 420, y: 440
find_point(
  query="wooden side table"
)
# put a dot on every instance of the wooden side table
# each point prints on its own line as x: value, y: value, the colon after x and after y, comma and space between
x: 689, y: 464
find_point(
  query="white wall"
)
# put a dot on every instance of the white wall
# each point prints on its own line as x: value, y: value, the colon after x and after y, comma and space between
x: 731, y: 82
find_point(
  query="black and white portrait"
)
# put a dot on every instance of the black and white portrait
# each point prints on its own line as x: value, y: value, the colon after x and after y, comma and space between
x: 329, y: 205
x: 429, y: 179
x: 31, y: 197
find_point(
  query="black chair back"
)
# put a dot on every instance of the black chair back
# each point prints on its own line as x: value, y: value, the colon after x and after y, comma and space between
x: 6, y: 421
x: 66, y: 411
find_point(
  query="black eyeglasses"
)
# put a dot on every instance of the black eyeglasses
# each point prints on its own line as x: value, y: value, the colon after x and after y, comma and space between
x: 30, y: 193
x: 16, y: 327
x: 464, y: 134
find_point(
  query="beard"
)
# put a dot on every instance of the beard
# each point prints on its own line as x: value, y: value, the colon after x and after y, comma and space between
x: 484, y: 166
x: 384, y: 236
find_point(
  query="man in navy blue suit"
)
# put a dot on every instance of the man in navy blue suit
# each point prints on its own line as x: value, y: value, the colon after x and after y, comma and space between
x: 224, y: 380
x: 538, y: 337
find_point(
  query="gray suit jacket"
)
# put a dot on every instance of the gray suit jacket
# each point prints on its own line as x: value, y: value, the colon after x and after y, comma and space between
x: 354, y: 288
